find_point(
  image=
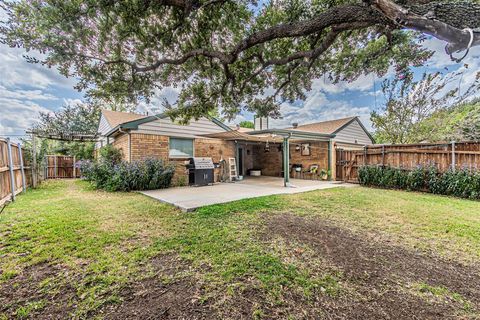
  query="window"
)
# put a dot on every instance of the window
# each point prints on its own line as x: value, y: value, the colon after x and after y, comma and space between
x: 181, y: 148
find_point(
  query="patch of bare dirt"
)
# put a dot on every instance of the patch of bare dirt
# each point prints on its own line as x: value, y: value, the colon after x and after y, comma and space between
x: 170, y: 293
x: 378, y: 272
x: 24, y: 290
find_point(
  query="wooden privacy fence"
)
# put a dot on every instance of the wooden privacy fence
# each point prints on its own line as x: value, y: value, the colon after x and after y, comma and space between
x: 61, y: 167
x: 14, y: 175
x: 444, y: 156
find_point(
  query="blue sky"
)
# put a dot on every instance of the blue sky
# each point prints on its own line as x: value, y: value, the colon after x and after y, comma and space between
x: 26, y: 89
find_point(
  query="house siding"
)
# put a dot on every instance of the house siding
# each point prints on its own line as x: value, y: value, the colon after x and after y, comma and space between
x: 167, y: 128
x: 103, y: 128
x: 352, y: 132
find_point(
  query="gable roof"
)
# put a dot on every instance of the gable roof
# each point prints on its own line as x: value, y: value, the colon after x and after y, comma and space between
x: 325, y: 127
x: 332, y: 126
x: 124, y: 120
x: 115, y: 118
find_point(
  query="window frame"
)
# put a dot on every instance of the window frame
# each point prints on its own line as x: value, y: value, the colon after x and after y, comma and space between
x: 181, y: 157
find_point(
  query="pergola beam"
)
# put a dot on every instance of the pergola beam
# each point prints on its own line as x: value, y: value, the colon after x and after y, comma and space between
x: 65, y: 136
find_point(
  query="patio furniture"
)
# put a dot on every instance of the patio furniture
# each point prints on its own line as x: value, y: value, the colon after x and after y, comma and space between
x: 297, y: 170
x: 312, y: 171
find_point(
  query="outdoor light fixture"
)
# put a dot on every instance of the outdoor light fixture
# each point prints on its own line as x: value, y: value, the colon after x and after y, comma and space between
x: 267, y: 147
x: 297, y: 147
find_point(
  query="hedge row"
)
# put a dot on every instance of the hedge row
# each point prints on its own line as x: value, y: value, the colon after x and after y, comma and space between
x: 124, y: 176
x: 460, y: 183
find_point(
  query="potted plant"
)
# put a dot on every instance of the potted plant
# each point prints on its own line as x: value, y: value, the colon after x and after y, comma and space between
x: 323, y: 174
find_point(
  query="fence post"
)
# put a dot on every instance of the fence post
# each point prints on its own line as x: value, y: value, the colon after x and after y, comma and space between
x: 74, y: 169
x: 453, y: 156
x: 365, y: 155
x: 383, y: 155
x: 34, y: 161
x: 46, y: 167
x: 10, y: 165
x: 55, y: 168
x: 22, y: 169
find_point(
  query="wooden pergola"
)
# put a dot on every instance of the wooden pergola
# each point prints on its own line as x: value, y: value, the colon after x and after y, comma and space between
x: 59, y: 136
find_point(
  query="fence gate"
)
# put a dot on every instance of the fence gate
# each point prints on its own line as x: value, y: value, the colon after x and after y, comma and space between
x: 340, y: 154
x: 346, y: 164
x: 60, y: 167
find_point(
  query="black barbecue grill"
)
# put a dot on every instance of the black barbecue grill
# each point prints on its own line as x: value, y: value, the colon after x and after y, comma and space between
x: 200, y: 171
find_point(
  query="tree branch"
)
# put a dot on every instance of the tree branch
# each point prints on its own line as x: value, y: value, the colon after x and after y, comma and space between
x: 457, y: 39
x: 347, y: 16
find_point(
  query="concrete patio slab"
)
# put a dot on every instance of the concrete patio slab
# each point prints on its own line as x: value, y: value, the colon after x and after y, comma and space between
x: 190, y: 198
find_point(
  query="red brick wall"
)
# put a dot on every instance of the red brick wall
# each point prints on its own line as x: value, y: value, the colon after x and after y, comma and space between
x: 146, y: 146
x: 217, y: 149
x: 121, y: 143
x: 318, y: 155
x: 271, y: 162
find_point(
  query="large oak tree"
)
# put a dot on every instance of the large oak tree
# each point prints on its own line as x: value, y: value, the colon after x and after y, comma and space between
x: 231, y: 54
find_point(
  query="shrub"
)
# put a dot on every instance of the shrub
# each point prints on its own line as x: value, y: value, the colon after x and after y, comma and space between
x: 110, y: 154
x: 123, y: 176
x: 460, y: 183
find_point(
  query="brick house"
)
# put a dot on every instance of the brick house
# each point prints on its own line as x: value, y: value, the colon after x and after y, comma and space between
x: 308, y: 147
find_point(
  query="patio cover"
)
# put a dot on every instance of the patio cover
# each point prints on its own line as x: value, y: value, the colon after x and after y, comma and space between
x: 242, y: 136
x: 280, y: 136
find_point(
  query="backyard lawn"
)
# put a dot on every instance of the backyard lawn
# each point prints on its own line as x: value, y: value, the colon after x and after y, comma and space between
x: 68, y: 251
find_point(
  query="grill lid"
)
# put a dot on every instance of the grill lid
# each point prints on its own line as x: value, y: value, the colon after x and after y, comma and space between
x: 203, y: 163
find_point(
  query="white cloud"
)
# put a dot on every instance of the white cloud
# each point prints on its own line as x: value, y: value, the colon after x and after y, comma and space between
x: 16, y: 71
x: 442, y: 60
x: 17, y: 115
x: 25, y: 94
x: 156, y: 102
x: 318, y: 108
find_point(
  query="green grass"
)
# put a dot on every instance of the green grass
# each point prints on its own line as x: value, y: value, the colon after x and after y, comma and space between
x: 105, y: 241
x: 443, y: 294
x: 444, y: 225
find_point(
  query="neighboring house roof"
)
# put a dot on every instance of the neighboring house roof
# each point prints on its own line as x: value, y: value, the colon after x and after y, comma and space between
x: 325, y: 127
x: 116, y: 118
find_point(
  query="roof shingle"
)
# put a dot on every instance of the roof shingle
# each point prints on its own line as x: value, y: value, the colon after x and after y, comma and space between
x: 325, y: 127
x: 115, y: 118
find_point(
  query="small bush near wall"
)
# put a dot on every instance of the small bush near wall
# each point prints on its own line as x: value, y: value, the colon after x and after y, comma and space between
x: 123, y: 176
x: 460, y: 183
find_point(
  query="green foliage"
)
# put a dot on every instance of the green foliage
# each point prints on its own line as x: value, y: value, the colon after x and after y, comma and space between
x: 73, y: 117
x: 459, y: 183
x: 110, y: 155
x: 410, y: 104
x: 215, y: 52
x: 460, y: 122
x: 112, y: 174
x: 247, y: 124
